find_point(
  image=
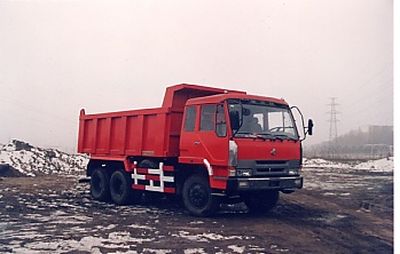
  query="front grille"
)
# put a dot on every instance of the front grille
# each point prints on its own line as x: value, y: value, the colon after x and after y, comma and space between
x: 270, y: 162
x: 267, y: 167
x: 267, y: 170
x: 263, y: 168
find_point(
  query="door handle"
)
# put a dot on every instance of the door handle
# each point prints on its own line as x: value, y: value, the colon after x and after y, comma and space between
x: 196, y: 142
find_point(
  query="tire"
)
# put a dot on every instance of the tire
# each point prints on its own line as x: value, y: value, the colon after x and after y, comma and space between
x: 99, y: 185
x: 261, y: 202
x: 197, y: 198
x: 121, y: 188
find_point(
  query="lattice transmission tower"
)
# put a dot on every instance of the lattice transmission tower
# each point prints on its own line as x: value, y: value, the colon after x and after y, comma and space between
x: 333, y: 120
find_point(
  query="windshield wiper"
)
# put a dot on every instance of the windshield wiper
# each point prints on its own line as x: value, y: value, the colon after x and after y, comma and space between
x: 256, y: 135
x: 285, y: 136
x: 263, y: 136
x: 267, y: 136
x: 246, y: 133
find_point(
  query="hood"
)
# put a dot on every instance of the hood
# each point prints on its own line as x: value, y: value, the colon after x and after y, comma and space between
x: 258, y: 149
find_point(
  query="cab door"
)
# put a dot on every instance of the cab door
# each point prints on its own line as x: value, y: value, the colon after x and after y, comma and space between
x: 212, y: 134
x: 189, y: 140
x: 204, y: 135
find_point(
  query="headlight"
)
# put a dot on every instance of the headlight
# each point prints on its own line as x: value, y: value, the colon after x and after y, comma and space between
x: 293, y: 171
x: 232, y: 153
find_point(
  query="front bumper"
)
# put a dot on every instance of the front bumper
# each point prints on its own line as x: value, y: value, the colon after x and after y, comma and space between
x: 239, y: 184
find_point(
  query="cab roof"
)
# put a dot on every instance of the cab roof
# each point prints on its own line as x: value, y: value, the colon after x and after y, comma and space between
x: 233, y: 95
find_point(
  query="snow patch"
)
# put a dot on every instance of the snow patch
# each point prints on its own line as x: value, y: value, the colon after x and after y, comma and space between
x: 194, y: 251
x: 205, y: 237
x: 236, y: 248
x: 135, y: 226
x: 157, y: 251
x: 321, y: 163
x: 380, y: 165
x: 32, y: 161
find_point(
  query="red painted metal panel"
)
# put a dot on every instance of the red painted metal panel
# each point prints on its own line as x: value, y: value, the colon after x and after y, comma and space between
x: 153, y: 177
x: 152, y: 132
x: 138, y: 186
x: 172, y: 135
x: 88, y: 135
x: 169, y: 190
x: 136, y: 134
x: 176, y: 96
x: 102, y: 136
x: 262, y: 150
x: 168, y: 168
x: 142, y: 171
x: 81, y: 131
x: 117, y: 135
x: 133, y: 134
x: 113, y: 158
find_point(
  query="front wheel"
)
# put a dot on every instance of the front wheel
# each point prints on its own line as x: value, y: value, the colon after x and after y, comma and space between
x: 261, y: 202
x: 197, y: 198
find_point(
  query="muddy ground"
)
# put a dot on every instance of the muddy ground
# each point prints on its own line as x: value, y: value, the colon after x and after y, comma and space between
x: 338, y: 211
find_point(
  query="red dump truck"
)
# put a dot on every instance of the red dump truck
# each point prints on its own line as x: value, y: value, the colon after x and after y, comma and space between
x: 206, y: 145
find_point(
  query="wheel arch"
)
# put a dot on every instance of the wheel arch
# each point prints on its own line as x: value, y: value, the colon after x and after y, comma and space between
x: 108, y: 165
x: 186, y: 170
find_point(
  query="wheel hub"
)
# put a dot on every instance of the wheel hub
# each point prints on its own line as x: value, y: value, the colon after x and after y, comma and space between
x: 198, y: 195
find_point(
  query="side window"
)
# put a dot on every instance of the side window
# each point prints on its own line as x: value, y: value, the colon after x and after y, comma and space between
x: 221, y: 122
x: 190, y: 118
x: 207, y: 120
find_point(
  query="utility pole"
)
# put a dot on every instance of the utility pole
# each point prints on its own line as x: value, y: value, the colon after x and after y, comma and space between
x: 333, y: 120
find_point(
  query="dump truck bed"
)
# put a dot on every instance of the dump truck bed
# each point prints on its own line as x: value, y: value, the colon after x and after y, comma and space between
x: 148, y: 132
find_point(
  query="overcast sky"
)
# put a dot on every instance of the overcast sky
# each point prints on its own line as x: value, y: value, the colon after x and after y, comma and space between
x: 57, y: 57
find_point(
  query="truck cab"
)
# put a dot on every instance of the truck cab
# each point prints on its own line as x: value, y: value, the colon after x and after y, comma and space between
x: 250, y: 146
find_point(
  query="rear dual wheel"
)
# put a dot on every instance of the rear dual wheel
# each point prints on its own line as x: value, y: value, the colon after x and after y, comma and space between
x: 99, y: 185
x: 121, y: 188
x: 118, y: 187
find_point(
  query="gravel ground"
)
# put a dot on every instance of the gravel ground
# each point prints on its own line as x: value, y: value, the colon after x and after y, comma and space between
x: 338, y: 211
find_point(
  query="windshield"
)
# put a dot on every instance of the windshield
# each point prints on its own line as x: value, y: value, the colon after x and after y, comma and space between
x: 251, y: 118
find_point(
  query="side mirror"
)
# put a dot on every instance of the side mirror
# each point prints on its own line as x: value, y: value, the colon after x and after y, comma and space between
x: 234, y: 119
x: 310, y: 127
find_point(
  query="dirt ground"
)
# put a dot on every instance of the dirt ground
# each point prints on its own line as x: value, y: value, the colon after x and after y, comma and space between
x: 338, y: 211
